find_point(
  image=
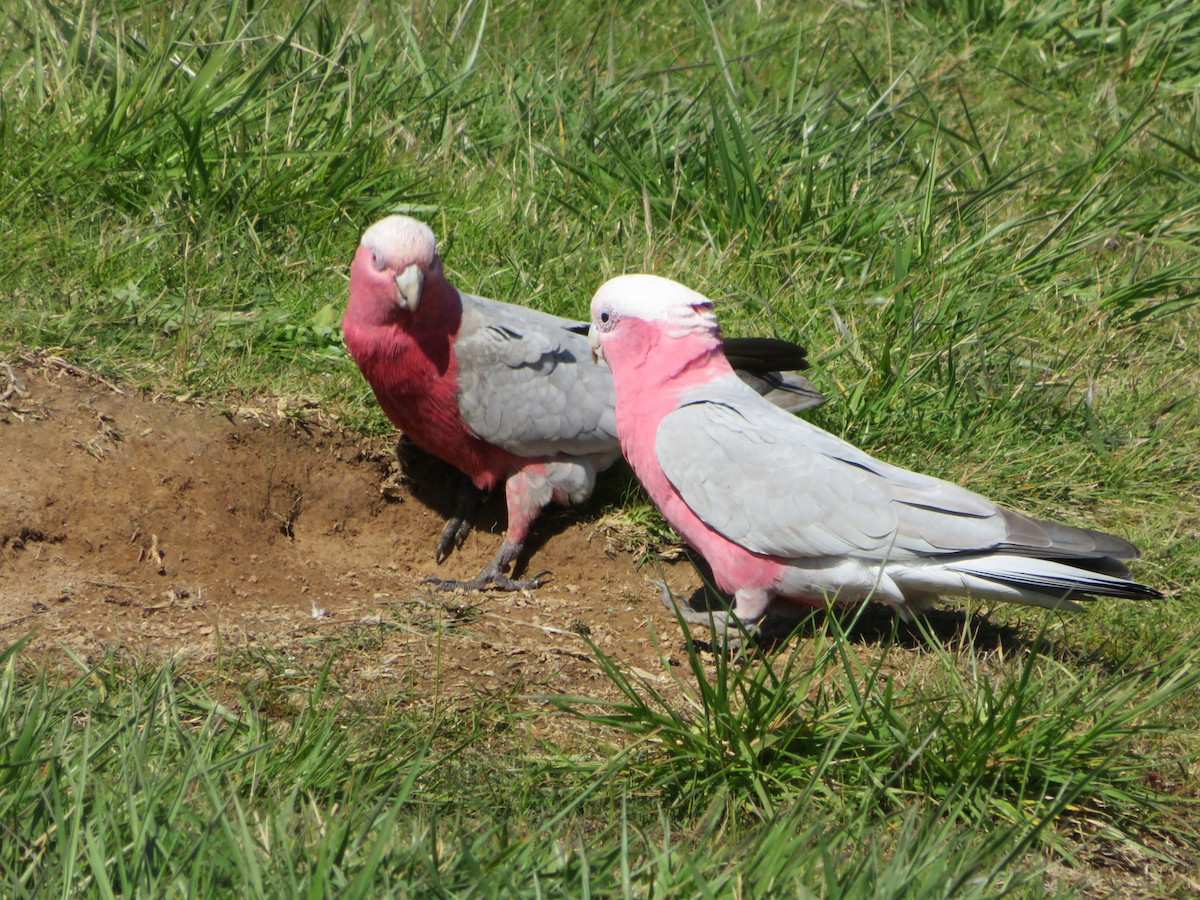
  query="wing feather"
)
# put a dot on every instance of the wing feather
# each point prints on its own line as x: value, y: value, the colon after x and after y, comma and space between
x: 778, y: 485
x: 527, y: 382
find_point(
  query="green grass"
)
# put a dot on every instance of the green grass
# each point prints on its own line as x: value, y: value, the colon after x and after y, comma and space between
x: 1006, y: 741
x: 980, y: 216
x: 812, y: 770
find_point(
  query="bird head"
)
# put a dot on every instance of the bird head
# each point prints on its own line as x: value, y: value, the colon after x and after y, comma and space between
x: 395, y: 260
x: 653, y: 308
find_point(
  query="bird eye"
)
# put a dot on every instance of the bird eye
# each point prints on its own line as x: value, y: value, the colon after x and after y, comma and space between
x: 604, y: 318
x: 377, y: 260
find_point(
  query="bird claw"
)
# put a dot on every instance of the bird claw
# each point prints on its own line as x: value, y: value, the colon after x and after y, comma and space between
x: 684, y: 610
x: 485, y: 580
x: 459, y: 525
x: 504, y: 583
x: 453, y: 535
x: 729, y: 633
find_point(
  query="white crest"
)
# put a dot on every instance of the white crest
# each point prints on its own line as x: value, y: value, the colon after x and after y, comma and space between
x: 654, y: 299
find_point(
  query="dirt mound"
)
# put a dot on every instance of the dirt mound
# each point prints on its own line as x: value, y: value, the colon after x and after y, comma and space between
x: 146, y: 523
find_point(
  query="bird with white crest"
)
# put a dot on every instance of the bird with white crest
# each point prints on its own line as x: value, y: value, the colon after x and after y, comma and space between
x: 784, y: 511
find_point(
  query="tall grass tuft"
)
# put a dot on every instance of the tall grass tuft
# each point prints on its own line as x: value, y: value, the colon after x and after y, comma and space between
x: 1024, y: 743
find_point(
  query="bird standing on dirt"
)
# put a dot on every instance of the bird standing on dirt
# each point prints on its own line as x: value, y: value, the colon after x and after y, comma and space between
x: 503, y: 393
x: 782, y: 510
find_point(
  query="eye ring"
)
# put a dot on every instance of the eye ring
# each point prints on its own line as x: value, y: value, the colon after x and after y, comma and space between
x: 377, y: 260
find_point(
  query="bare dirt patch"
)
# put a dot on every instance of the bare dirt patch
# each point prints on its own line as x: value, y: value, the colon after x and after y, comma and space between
x: 145, y: 524
x: 142, y: 523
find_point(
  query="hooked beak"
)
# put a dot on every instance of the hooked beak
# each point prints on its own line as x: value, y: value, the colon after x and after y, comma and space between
x: 594, y: 343
x: 408, y: 287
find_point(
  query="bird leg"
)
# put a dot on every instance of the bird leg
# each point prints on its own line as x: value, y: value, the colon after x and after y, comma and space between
x: 459, y: 525
x: 730, y: 627
x: 527, y: 492
x: 709, y: 617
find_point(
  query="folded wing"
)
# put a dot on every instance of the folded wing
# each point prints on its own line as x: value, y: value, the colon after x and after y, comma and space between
x: 778, y: 485
x: 528, y: 383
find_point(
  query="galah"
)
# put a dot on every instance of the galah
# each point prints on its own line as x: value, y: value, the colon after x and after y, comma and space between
x: 786, y: 513
x: 504, y: 393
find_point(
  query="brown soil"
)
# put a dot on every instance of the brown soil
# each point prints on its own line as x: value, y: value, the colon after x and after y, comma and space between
x: 142, y: 523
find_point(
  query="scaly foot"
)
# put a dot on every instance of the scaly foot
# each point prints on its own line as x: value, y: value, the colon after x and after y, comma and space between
x: 488, y: 579
x: 459, y: 525
x: 728, y: 632
x: 452, y: 538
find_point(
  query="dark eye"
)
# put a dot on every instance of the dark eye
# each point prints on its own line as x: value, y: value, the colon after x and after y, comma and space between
x: 604, y: 318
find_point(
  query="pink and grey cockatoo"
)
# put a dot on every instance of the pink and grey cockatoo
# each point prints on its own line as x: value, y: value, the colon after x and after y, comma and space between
x: 501, y: 392
x: 784, y: 511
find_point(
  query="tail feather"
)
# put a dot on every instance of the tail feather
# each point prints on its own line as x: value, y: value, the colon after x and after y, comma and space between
x: 771, y: 366
x: 761, y: 355
x: 1050, y: 540
x: 787, y: 390
x: 1053, y: 577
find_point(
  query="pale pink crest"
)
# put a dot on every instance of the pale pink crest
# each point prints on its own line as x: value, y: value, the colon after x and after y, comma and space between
x: 401, y: 241
x: 677, y: 309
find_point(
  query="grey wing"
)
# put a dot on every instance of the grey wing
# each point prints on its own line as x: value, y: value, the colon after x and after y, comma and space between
x: 527, y: 382
x: 778, y: 485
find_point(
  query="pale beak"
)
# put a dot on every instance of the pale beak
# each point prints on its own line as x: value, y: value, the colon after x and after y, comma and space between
x: 594, y: 343
x: 408, y: 286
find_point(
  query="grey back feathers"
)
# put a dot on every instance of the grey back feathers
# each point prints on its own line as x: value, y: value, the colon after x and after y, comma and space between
x: 527, y: 382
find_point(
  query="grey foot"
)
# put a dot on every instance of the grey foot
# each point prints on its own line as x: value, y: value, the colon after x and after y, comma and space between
x: 729, y: 633
x: 709, y: 618
x: 778, y: 622
x: 452, y: 538
x: 488, y: 580
x: 459, y: 525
